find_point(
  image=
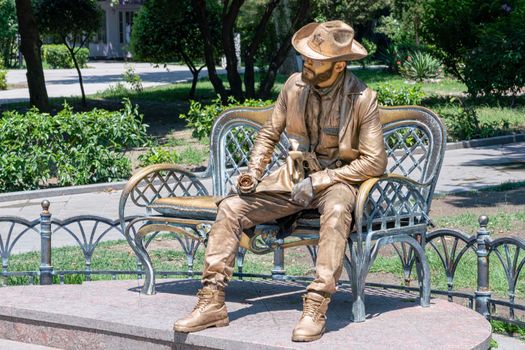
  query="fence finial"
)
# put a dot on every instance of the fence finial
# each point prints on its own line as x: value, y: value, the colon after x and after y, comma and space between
x: 483, y: 221
x: 45, y: 206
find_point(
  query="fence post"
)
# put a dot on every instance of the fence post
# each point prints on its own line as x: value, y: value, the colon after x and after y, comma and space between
x: 46, y: 269
x: 483, y: 290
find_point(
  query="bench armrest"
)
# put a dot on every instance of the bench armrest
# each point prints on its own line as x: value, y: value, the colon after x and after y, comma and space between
x: 390, y: 199
x: 159, y: 181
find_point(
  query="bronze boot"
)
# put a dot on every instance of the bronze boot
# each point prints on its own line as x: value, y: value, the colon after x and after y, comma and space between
x: 210, y: 311
x: 311, y: 326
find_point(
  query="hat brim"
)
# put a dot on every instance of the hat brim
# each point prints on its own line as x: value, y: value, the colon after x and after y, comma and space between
x: 300, y: 43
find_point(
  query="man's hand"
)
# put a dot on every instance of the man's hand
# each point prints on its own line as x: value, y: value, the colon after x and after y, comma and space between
x: 303, y: 192
x: 246, y: 183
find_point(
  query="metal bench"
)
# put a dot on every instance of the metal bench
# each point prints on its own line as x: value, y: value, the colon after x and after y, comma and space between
x: 392, y: 208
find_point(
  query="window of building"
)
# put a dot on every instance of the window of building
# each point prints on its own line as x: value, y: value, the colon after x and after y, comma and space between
x: 101, y: 36
x: 125, y: 24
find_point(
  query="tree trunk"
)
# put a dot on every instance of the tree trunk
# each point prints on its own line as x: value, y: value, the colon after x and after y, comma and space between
x: 30, y: 47
x: 200, y: 7
x: 251, y: 50
x: 73, y: 56
x: 229, y: 17
x: 195, y: 74
x: 286, y: 45
x: 194, y: 71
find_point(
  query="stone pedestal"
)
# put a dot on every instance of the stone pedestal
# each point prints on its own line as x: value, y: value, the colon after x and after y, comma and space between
x: 114, y: 315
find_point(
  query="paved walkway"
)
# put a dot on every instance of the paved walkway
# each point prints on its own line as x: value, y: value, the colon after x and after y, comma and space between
x: 97, y: 77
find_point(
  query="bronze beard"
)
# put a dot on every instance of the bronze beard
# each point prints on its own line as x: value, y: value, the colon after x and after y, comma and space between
x: 318, y: 78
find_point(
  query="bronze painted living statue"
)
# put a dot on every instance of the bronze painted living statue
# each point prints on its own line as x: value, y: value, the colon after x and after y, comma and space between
x: 336, y: 140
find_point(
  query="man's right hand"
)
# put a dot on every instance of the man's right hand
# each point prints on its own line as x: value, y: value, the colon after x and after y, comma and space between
x: 246, y: 183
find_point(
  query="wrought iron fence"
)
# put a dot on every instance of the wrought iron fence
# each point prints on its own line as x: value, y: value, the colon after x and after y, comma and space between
x: 449, y: 245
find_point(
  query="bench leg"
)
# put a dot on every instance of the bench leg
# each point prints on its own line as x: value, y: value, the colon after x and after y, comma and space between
x: 278, y: 272
x: 422, y: 268
x: 357, y: 269
x: 423, y: 275
x: 136, y: 243
x: 149, y: 282
x: 241, y: 253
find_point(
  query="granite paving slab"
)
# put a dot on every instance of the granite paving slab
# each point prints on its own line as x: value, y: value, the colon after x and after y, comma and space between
x: 114, y: 315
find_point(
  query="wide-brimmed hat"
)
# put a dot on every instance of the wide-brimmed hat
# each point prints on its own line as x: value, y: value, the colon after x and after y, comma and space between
x: 329, y: 41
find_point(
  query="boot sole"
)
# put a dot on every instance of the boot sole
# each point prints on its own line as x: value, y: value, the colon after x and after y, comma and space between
x: 220, y: 323
x: 307, y: 338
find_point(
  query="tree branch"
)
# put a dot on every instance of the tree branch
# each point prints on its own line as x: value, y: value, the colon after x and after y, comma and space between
x: 286, y: 45
x: 249, y: 57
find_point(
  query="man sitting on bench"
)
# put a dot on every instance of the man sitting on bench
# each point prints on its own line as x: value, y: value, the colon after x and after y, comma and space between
x: 331, y: 119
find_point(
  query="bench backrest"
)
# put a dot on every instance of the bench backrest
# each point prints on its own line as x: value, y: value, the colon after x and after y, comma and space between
x: 414, y: 136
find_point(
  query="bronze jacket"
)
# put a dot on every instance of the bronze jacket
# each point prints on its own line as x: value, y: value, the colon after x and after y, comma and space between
x: 361, y: 148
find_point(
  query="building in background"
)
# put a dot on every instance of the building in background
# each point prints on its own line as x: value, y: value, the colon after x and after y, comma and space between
x: 113, y: 37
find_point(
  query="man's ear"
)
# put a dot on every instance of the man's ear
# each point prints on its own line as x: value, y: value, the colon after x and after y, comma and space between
x: 340, y: 66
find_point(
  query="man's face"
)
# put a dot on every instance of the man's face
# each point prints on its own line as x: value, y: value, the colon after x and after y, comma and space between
x: 317, y: 72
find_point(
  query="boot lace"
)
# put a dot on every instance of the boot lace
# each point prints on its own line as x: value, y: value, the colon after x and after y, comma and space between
x: 205, y: 297
x: 311, y: 307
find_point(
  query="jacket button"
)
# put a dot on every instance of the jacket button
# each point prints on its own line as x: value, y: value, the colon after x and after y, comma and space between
x: 339, y: 163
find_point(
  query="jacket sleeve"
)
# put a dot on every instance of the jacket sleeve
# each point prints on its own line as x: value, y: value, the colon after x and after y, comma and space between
x: 372, y: 160
x: 268, y: 136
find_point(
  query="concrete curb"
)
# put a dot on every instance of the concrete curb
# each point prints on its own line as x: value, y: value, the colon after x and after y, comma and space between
x: 490, y: 141
x: 117, y: 186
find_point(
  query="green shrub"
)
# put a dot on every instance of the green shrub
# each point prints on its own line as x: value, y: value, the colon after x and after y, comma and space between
x: 496, y: 66
x: 58, y: 56
x: 68, y: 148
x: 487, y: 47
x: 420, y: 66
x: 371, y: 48
x: 463, y: 123
x: 388, y: 95
x: 3, y: 80
x: 133, y: 79
x: 391, y: 57
x: 156, y: 155
x: 201, y: 117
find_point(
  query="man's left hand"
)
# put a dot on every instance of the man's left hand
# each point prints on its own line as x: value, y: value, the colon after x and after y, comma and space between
x: 303, y: 192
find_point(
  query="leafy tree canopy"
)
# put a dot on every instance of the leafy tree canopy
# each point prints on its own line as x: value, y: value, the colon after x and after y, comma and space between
x: 8, y: 31
x: 163, y: 32
x: 75, y: 20
x: 357, y: 13
x: 482, y: 42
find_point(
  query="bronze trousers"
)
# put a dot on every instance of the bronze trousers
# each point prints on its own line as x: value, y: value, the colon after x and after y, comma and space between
x: 235, y: 213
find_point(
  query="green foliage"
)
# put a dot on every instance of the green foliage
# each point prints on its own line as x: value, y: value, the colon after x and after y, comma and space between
x: 3, y: 80
x: 507, y: 328
x: 72, y: 22
x: 156, y: 155
x: 371, y: 47
x: 391, y: 57
x: 354, y: 12
x: 463, y: 123
x: 420, y: 66
x: 487, y: 47
x: 58, y: 56
x: 72, y: 148
x: 8, y: 31
x: 201, y: 117
x: 388, y: 95
x: 158, y: 20
x: 500, y: 51
x: 133, y: 79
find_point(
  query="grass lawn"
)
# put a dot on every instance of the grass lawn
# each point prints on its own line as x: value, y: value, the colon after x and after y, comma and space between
x: 166, y: 256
